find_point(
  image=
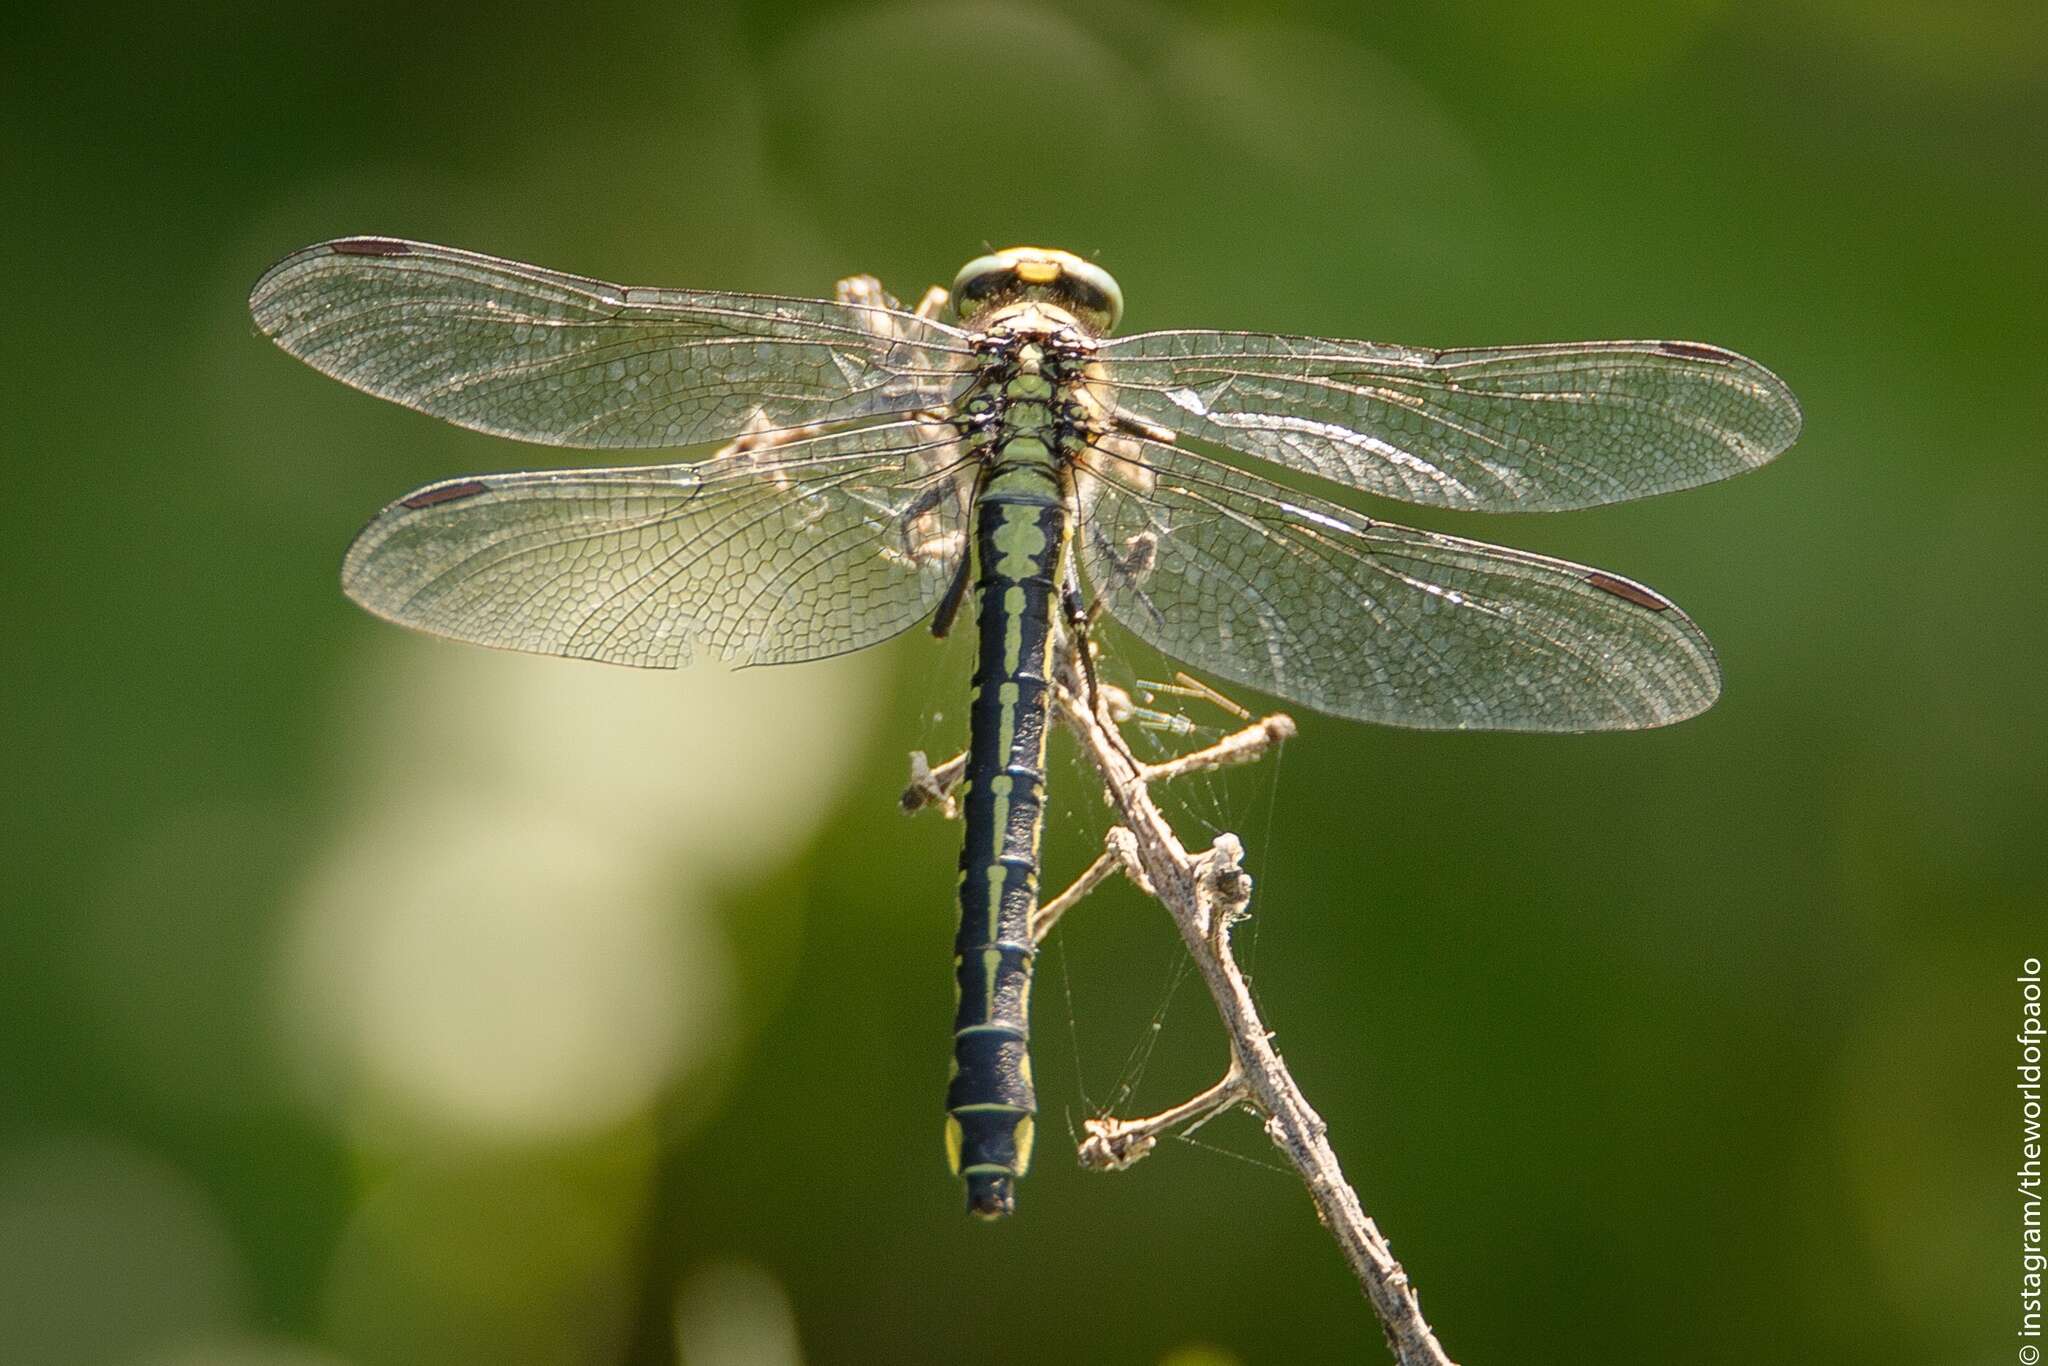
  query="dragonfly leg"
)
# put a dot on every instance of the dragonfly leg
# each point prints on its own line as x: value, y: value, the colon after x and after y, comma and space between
x: 761, y: 434
x: 928, y: 502
x: 859, y: 291
x: 880, y: 317
x: 1080, y: 616
x: 949, y: 605
x: 1128, y: 565
x: 1131, y: 426
x: 865, y: 291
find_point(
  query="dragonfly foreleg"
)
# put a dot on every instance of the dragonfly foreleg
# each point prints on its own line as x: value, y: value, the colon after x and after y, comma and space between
x: 865, y: 291
x: 879, y: 310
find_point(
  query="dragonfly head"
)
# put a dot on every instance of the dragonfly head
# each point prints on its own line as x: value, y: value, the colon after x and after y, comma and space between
x: 1040, y: 274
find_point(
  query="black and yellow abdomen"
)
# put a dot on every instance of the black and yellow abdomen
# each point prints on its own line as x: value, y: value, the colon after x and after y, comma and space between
x: 1020, y: 543
x: 1026, y: 422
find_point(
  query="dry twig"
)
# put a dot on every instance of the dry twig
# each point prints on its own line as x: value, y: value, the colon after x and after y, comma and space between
x: 1206, y: 893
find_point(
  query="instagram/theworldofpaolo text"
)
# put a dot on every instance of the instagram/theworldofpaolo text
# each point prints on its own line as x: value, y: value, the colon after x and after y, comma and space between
x: 2033, y: 1256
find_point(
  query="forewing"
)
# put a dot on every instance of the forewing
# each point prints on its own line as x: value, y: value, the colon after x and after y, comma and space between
x: 1315, y: 603
x: 1504, y: 429
x: 782, y: 553
x: 524, y: 352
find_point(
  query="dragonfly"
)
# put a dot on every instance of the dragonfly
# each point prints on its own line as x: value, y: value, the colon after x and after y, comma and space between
x: 883, y: 460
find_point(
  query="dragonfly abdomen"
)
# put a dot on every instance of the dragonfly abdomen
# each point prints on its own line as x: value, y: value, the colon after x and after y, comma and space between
x: 1020, y: 538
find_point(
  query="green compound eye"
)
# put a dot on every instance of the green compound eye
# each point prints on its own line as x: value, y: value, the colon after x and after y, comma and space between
x: 1082, y: 288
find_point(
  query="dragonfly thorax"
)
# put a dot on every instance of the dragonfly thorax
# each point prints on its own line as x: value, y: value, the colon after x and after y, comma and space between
x: 1081, y: 289
x: 1030, y: 404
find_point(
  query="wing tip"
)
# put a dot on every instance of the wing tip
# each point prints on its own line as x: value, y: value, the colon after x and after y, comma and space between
x: 1773, y: 394
x: 1703, y: 678
x: 362, y: 245
x: 1777, y: 397
x: 357, y: 579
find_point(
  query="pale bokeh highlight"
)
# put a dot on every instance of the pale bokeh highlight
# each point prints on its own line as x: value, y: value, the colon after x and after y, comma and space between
x: 735, y: 1314
x: 510, y: 939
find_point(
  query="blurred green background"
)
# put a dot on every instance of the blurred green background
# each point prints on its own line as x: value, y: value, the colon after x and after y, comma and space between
x: 366, y: 999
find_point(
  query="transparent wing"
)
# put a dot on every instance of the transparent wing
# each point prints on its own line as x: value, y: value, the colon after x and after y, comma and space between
x: 1313, y: 602
x: 782, y: 553
x: 1505, y: 429
x: 519, y: 351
